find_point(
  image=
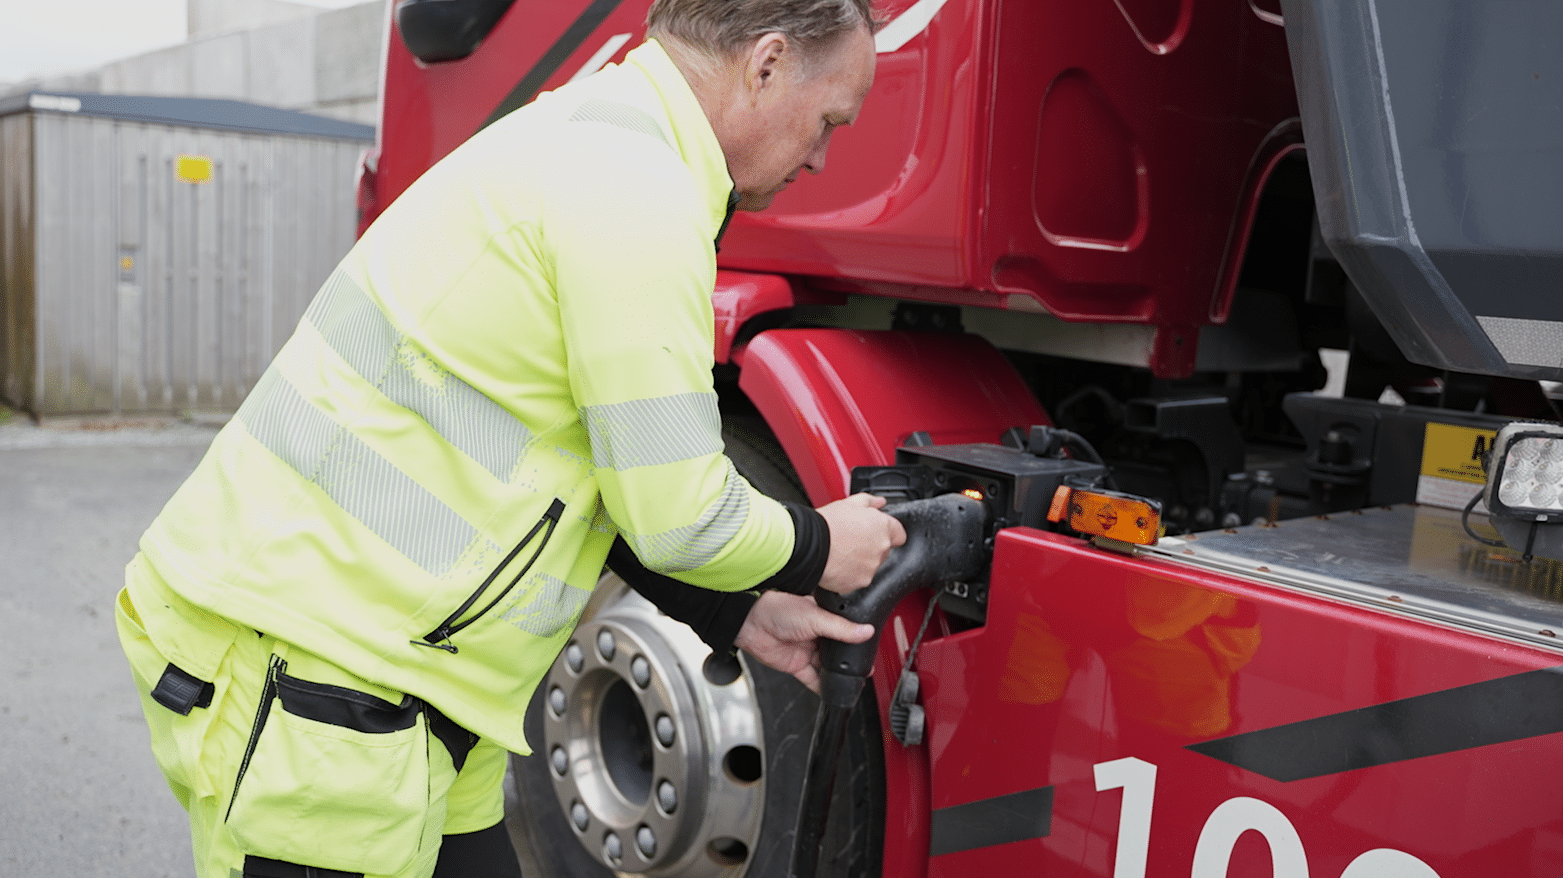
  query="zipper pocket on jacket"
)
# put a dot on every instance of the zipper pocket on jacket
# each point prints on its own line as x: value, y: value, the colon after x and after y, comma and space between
x: 262, y: 712
x: 440, y: 637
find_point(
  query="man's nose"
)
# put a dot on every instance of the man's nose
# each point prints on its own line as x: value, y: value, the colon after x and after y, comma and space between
x: 814, y: 163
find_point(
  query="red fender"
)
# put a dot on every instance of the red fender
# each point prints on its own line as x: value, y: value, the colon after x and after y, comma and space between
x: 741, y: 295
x: 839, y: 398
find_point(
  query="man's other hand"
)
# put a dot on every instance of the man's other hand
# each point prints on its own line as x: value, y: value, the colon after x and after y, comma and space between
x: 860, y: 538
x: 782, y: 628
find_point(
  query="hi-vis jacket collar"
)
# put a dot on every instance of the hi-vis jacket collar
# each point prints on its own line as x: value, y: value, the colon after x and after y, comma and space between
x: 695, y: 141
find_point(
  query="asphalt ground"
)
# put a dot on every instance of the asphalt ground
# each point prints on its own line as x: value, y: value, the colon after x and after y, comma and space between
x: 81, y: 793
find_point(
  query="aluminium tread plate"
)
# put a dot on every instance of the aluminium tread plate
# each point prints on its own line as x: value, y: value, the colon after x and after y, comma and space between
x: 1408, y: 560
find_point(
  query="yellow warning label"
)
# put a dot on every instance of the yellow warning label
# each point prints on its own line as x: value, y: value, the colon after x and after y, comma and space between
x: 193, y: 168
x: 1450, y: 452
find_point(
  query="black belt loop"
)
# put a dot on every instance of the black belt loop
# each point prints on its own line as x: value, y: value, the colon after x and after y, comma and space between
x: 260, y: 867
x: 181, y: 692
x: 456, y: 739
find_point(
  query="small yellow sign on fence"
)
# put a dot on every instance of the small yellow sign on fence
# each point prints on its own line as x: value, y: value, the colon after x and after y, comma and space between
x: 193, y: 168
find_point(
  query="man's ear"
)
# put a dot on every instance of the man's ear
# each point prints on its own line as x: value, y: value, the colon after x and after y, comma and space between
x: 767, y: 59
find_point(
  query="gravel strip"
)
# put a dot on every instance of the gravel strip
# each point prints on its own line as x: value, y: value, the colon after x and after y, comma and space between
x: 18, y: 431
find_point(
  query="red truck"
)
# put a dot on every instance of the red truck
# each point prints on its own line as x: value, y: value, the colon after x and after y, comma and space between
x: 1139, y: 222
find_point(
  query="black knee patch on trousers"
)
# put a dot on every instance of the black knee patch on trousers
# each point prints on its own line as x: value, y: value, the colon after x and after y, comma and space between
x: 486, y: 853
x: 260, y: 867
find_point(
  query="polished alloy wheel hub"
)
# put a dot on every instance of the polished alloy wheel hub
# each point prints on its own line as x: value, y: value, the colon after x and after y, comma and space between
x: 654, y: 746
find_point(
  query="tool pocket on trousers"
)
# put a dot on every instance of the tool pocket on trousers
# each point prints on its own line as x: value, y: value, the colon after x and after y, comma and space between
x: 177, y: 736
x: 333, y: 778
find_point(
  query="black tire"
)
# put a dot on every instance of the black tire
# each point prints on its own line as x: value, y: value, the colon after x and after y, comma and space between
x: 855, y: 835
x: 758, y: 457
x: 548, y: 845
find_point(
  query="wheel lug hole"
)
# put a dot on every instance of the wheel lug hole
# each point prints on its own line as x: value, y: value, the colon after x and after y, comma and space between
x: 728, y: 851
x: 721, y: 670
x: 640, y: 669
x: 666, y: 732
x: 646, y: 841
x: 743, y: 764
x: 557, y: 701
x: 605, y: 645
x: 560, y: 761
x: 579, y: 816
x: 574, y: 657
x: 667, y: 797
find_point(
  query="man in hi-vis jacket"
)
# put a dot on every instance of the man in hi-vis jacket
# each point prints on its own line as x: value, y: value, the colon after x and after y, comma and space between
x: 337, y: 622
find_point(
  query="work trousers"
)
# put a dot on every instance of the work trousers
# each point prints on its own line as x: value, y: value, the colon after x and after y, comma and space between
x: 291, y: 766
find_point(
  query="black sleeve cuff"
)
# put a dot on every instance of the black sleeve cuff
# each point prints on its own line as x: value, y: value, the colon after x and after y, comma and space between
x: 810, y: 550
x: 715, y: 616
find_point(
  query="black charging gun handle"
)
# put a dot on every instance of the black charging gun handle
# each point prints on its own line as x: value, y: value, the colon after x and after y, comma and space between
x: 944, y: 543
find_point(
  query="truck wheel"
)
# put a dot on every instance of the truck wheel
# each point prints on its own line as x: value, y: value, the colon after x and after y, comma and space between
x: 654, y: 757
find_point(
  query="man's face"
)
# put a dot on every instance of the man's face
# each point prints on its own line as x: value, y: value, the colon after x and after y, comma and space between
x: 794, y: 109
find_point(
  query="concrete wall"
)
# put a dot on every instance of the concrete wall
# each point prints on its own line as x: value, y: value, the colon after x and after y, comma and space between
x: 280, y: 54
x: 207, y: 17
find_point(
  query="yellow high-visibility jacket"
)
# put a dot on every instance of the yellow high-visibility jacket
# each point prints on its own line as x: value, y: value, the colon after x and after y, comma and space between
x: 510, y: 368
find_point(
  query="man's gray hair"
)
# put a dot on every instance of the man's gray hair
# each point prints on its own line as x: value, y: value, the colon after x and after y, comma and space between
x: 722, y: 28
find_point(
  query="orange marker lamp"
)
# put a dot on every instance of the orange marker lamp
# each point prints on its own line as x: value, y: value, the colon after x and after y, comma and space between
x: 1108, y: 514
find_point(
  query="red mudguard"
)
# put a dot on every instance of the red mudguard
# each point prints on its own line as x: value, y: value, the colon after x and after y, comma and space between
x: 839, y: 398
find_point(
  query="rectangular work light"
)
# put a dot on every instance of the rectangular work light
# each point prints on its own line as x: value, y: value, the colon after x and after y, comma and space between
x: 1524, y: 492
x: 1526, y: 478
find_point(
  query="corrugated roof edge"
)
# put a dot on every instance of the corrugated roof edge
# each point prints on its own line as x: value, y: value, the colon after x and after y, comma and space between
x: 216, y: 113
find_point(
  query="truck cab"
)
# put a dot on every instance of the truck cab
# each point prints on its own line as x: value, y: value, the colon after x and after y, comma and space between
x: 1160, y: 227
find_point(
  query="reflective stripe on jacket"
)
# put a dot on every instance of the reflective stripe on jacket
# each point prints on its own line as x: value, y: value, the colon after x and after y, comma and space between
x: 512, y: 366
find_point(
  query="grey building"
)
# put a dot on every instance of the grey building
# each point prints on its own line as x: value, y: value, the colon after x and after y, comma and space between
x: 154, y: 251
x: 270, y: 52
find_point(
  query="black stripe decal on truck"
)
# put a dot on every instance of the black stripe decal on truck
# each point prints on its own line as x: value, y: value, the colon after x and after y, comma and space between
x: 986, y: 822
x: 554, y: 58
x: 1495, y: 712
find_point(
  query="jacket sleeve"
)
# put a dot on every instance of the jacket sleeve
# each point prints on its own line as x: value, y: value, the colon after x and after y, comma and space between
x: 714, y: 616
x: 634, y: 264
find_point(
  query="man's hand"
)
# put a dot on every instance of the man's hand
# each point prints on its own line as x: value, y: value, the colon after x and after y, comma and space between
x: 782, y: 628
x: 860, y: 538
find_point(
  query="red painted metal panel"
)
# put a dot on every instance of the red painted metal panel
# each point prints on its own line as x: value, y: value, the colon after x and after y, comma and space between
x: 906, y: 768
x: 1095, y: 160
x: 427, y: 110
x: 1090, y: 657
x: 741, y: 295
x: 897, y: 198
x: 839, y: 398
x: 1091, y: 160
x: 1129, y: 130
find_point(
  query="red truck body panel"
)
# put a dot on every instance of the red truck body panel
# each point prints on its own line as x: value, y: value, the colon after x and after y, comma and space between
x: 1097, y: 161
x: 1048, y: 156
x: 430, y: 109
x: 1089, y: 657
